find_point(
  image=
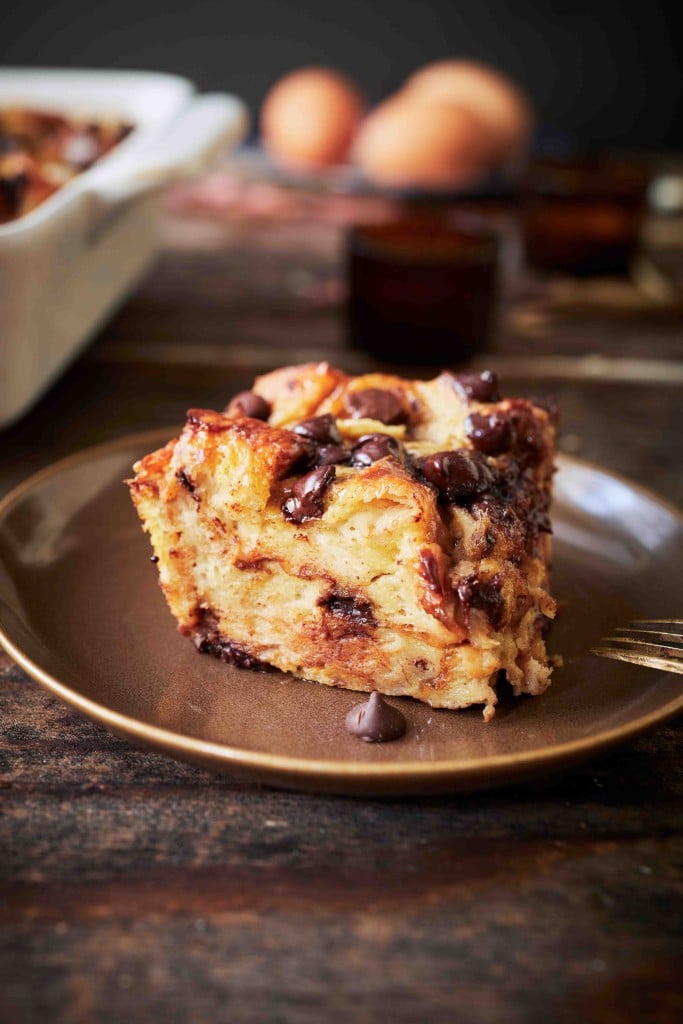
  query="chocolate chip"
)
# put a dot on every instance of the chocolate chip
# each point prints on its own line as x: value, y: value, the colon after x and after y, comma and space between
x: 376, y: 721
x: 350, y: 608
x: 299, y: 460
x: 491, y: 434
x: 484, y: 595
x: 459, y: 476
x: 373, y: 447
x: 306, y: 499
x: 482, y: 387
x: 528, y: 435
x: 184, y: 478
x: 228, y: 651
x: 430, y: 570
x: 376, y: 404
x: 322, y: 429
x: 348, y: 615
x: 323, y: 433
x: 331, y: 454
x: 248, y: 403
x: 12, y: 192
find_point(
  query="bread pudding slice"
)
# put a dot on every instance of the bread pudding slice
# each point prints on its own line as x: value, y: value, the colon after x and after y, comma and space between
x: 367, y: 532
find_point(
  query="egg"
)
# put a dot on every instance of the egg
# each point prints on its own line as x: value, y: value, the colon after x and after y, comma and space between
x: 310, y: 116
x: 504, y: 109
x: 404, y: 143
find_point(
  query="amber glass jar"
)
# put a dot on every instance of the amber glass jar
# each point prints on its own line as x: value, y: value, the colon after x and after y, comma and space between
x: 422, y: 289
x: 583, y: 214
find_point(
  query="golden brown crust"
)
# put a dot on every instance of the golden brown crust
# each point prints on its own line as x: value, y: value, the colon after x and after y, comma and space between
x: 296, y: 392
x: 386, y: 574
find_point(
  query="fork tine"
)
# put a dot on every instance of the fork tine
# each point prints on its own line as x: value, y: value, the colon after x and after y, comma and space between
x: 657, y: 650
x: 655, y: 643
x: 663, y: 622
x: 654, y: 635
x: 647, y: 661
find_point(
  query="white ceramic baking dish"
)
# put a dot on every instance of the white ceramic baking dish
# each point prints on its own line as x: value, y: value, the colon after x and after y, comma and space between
x: 66, y: 265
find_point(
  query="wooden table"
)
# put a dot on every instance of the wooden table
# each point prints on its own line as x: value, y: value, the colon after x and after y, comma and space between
x: 136, y: 888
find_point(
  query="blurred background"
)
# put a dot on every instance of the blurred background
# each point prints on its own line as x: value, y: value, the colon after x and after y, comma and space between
x: 605, y: 73
x: 432, y: 230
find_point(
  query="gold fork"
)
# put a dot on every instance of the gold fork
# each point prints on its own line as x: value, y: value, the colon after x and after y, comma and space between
x: 654, y: 643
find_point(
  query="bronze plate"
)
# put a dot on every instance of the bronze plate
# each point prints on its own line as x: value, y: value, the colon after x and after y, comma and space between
x: 80, y: 611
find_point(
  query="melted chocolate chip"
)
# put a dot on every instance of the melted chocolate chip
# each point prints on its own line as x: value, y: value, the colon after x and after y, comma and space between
x: 528, y: 434
x: 430, y: 570
x: 484, y: 595
x: 208, y: 639
x: 517, y: 505
x: 491, y: 434
x: 376, y: 404
x: 322, y: 429
x: 154, y: 559
x: 376, y: 721
x: 460, y: 476
x: 482, y: 387
x: 348, y: 616
x: 306, y: 499
x: 331, y: 454
x: 248, y: 403
x: 349, y: 607
x: 300, y: 461
x: 183, y: 478
x: 373, y: 447
x: 229, y: 651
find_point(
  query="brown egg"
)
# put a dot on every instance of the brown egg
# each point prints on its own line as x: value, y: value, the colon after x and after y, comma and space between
x: 310, y: 116
x: 404, y: 143
x: 504, y: 109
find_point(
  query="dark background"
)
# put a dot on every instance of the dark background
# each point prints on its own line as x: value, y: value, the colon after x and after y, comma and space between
x: 603, y: 71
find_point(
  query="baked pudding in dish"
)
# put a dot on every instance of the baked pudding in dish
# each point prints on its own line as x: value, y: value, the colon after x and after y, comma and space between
x: 368, y: 532
x: 40, y: 151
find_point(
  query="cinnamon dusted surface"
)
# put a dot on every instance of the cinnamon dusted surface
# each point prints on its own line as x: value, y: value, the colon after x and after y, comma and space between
x: 132, y: 885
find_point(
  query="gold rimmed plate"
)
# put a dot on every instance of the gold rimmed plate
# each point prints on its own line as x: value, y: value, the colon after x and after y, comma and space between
x: 81, y: 612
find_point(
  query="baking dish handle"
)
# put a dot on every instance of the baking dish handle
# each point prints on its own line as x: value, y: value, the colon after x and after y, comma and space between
x: 211, y: 125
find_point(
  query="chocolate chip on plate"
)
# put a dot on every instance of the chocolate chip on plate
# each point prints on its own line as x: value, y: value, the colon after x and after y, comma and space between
x: 373, y: 447
x: 376, y: 404
x: 248, y: 403
x: 306, y: 499
x: 376, y: 721
x: 491, y: 434
x: 459, y: 476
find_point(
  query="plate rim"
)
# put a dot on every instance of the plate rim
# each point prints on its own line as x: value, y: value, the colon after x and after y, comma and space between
x: 312, y: 769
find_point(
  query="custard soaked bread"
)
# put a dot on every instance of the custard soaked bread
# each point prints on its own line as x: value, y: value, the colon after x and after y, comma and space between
x: 368, y: 532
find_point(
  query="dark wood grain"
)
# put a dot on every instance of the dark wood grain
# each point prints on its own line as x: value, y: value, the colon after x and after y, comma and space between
x: 136, y: 888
